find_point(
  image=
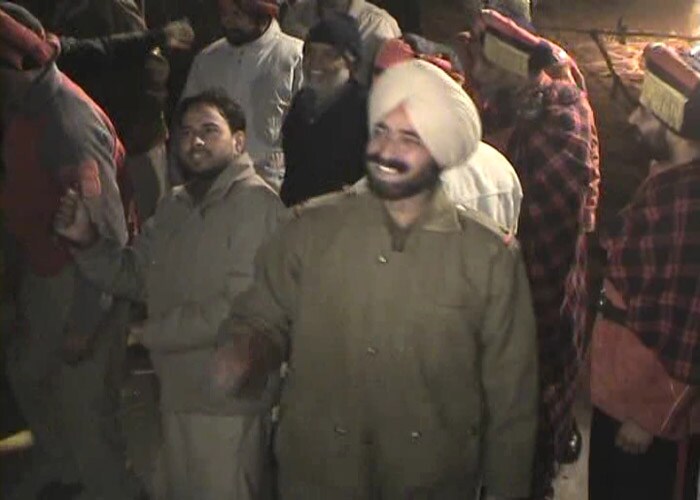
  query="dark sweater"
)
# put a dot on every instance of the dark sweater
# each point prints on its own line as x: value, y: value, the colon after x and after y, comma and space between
x: 113, y: 70
x: 326, y: 152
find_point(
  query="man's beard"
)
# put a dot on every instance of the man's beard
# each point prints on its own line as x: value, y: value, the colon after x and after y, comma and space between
x: 426, y: 180
x: 324, y: 88
x: 209, y: 173
x: 653, y: 146
x: 239, y: 37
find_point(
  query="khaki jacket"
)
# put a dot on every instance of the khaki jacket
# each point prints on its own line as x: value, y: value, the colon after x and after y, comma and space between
x: 413, y: 359
x: 188, y: 265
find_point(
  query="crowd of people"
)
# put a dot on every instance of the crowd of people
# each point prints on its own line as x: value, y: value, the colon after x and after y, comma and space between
x: 357, y: 257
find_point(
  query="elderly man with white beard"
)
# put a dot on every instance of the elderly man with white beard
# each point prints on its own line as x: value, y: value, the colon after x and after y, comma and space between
x: 325, y: 133
x: 406, y: 322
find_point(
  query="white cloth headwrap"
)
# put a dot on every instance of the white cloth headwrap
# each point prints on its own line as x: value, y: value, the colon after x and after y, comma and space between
x: 442, y: 113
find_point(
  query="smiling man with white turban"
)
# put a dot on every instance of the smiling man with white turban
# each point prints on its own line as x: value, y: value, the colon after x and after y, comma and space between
x: 406, y: 322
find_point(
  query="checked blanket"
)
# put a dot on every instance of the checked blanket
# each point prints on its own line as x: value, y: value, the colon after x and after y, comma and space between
x: 554, y: 151
x: 654, y: 261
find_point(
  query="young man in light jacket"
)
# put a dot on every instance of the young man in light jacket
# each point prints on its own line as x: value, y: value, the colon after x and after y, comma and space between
x: 191, y: 261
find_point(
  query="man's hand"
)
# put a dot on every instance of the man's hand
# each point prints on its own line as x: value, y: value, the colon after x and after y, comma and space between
x: 231, y: 368
x: 631, y: 438
x: 244, y: 363
x: 77, y: 348
x: 179, y: 35
x: 72, y: 221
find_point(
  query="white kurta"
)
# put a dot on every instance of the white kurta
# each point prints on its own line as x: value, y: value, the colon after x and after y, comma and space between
x: 262, y: 77
x: 375, y: 25
x: 487, y: 182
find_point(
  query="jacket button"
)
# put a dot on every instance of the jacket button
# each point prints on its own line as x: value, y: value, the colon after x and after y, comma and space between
x: 371, y: 351
x: 382, y: 259
x: 473, y: 431
x: 341, y: 431
x: 415, y: 435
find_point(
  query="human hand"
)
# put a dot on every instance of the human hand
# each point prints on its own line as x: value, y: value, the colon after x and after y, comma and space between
x: 243, y: 361
x: 179, y: 35
x: 77, y: 348
x: 72, y: 220
x: 631, y: 438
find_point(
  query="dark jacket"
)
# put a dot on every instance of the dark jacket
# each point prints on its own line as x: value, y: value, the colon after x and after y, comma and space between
x: 124, y: 75
x: 324, y: 152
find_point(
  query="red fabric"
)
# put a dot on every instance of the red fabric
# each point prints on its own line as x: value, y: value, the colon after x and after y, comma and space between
x: 31, y: 193
x: 392, y: 52
x: 29, y: 214
x: 265, y: 7
x: 665, y: 63
x: 654, y: 261
x: 508, y: 30
x: 629, y: 382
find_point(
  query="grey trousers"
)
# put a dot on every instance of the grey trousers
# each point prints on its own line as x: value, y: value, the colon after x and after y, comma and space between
x: 72, y: 411
x: 216, y: 457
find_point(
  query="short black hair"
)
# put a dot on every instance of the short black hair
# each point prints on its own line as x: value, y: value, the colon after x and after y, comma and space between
x: 229, y: 109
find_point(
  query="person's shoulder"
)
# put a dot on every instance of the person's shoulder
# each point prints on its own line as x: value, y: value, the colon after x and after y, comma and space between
x: 216, y: 47
x: 288, y: 45
x: 376, y: 15
x: 254, y: 191
x: 329, y: 206
x: 478, y: 227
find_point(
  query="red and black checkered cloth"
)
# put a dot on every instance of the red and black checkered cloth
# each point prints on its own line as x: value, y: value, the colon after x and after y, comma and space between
x: 555, y: 154
x: 654, y: 261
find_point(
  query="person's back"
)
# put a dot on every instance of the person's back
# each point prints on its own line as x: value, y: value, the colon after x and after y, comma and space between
x: 70, y: 335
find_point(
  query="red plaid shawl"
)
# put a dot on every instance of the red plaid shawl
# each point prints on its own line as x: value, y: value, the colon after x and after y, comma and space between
x: 552, y: 154
x: 654, y: 261
x: 555, y: 155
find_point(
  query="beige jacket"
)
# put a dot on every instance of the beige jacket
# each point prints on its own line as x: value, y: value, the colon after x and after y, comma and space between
x: 188, y: 265
x: 418, y: 358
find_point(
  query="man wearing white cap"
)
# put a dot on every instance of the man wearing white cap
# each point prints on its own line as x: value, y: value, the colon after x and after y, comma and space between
x: 405, y: 321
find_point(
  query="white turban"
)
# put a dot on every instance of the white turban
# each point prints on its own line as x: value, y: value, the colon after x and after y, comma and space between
x: 442, y: 113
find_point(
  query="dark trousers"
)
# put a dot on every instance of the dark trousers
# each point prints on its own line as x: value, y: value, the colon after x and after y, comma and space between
x: 616, y: 475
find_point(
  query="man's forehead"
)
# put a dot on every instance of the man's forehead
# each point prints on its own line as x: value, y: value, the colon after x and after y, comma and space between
x: 202, y: 113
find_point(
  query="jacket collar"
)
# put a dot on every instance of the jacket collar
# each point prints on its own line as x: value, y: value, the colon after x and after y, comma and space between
x: 440, y: 214
x: 241, y: 168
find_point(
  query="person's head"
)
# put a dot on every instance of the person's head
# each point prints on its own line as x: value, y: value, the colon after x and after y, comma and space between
x: 667, y: 120
x: 332, y: 51
x: 394, y: 51
x: 210, y: 132
x: 390, y: 53
x: 26, y: 50
x: 421, y: 121
x: 246, y: 20
x: 504, y: 57
x: 327, y: 7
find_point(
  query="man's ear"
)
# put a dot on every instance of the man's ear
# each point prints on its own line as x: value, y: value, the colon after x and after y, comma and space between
x: 239, y: 142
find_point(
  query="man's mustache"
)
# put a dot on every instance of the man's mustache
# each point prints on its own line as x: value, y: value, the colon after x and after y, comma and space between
x: 397, y: 165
